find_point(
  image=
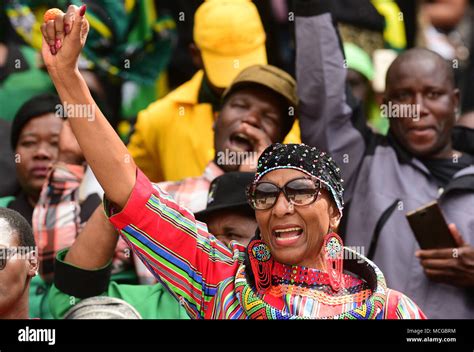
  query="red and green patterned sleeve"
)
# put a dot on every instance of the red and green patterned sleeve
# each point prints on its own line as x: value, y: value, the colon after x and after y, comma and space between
x: 175, y: 247
x: 399, y: 306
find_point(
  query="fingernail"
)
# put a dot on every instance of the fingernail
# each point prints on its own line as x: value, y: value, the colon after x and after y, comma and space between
x: 82, y: 10
x: 53, y: 49
x: 66, y: 28
x: 58, y: 44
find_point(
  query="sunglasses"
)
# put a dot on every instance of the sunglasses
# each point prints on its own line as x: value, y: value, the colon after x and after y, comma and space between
x: 5, y: 254
x: 300, y: 191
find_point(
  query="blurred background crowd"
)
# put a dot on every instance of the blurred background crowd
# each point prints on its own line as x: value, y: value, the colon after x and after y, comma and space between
x: 138, y: 51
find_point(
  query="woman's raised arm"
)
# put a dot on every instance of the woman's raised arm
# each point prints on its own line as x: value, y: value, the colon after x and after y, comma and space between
x: 63, y: 39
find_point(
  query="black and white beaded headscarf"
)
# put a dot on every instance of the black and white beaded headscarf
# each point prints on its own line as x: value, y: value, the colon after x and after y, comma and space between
x: 309, y: 160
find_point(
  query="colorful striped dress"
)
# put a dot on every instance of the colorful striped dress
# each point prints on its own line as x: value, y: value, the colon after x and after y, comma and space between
x: 208, y: 278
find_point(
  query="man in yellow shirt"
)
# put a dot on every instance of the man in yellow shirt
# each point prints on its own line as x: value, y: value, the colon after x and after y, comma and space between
x: 174, y: 136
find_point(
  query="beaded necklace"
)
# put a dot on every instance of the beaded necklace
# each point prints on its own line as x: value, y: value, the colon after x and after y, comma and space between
x: 300, y: 286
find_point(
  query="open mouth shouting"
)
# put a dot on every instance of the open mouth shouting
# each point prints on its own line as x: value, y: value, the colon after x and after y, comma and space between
x: 287, y: 235
x: 241, y: 142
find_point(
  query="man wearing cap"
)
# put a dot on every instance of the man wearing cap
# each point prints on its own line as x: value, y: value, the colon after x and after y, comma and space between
x: 360, y: 74
x: 228, y: 215
x: 173, y: 137
x: 84, y: 269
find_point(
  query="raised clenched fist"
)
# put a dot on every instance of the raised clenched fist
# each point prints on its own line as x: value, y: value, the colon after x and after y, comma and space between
x: 64, y: 36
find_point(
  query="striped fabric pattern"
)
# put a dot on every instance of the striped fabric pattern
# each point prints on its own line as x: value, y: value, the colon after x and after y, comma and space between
x: 403, y: 307
x: 175, y: 247
x: 190, y: 193
x: 202, y: 273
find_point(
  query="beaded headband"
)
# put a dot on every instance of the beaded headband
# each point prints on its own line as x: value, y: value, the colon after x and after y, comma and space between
x: 309, y: 160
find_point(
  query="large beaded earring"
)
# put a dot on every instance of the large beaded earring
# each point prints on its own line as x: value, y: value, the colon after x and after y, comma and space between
x: 261, y: 262
x: 333, y: 256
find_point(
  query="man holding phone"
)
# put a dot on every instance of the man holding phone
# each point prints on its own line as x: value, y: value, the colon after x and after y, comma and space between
x: 445, y: 256
x: 387, y: 177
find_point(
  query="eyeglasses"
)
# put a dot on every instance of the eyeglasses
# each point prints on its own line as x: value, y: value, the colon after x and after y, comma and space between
x: 300, y: 191
x: 5, y: 254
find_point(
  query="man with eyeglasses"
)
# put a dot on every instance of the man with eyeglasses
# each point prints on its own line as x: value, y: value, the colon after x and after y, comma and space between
x: 18, y: 264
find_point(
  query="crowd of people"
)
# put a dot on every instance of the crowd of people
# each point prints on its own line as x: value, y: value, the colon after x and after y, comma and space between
x: 230, y: 159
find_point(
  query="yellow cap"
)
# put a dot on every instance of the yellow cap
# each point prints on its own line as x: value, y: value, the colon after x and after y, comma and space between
x: 231, y: 37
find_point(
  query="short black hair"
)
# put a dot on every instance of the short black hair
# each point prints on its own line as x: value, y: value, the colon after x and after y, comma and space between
x: 38, y: 105
x: 19, y: 225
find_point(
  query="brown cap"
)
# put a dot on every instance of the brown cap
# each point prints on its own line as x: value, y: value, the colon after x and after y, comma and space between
x: 268, y: 76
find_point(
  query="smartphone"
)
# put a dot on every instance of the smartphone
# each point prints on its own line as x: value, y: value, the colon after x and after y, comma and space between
x: 430, y: 227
